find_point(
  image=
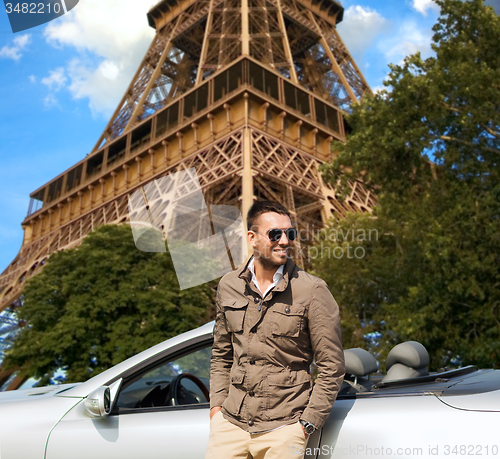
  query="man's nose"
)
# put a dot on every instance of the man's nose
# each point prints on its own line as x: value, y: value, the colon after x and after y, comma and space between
x: 284, y: 240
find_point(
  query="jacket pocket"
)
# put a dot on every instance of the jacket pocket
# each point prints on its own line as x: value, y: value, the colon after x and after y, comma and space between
x: 288, y: 320
x: 236, y: 394
x: 288, y: 394
x: 234, y: 311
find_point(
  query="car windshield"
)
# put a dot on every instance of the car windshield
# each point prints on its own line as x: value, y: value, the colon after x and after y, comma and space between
x: 152, y: 387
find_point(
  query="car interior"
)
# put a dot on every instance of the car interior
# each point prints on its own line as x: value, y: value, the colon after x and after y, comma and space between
x: 182, y: 381
x: 406, y: 369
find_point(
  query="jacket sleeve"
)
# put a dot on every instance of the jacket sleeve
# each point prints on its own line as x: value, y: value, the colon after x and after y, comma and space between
x: 326, y: 341
x: 222, y: 358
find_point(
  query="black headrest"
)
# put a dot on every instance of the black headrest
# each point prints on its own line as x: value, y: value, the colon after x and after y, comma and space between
x: 412, y: 354
x: 359, y: 362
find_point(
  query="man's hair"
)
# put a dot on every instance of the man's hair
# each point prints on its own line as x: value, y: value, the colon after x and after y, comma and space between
x: 261, y: 207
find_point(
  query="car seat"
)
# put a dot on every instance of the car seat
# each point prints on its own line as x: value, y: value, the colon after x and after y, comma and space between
x: 406, y: 360
x: 358, y: 366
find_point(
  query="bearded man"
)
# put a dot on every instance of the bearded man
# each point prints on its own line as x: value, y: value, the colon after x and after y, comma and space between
x: 272, y: 321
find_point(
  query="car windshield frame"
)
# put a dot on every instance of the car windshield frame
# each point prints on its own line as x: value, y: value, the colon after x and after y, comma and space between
x: 135, y: 373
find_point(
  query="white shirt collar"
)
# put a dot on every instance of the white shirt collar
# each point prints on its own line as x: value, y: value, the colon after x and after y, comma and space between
x: 278, y: 275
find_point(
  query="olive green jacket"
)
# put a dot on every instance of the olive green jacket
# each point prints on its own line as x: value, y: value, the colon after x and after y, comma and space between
x: 263, y: 349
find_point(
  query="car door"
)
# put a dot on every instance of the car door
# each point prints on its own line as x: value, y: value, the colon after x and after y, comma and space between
x: 412, y: 424
x: 146, y: 422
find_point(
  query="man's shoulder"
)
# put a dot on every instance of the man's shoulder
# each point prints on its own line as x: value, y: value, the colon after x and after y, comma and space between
x: 231, y: 276
x: 305, y: 279
x: 231, y: 284
x: 312, y: 290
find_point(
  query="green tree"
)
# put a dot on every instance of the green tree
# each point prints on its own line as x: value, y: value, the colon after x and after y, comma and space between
x: 93, y: 306
x: 429, y: 146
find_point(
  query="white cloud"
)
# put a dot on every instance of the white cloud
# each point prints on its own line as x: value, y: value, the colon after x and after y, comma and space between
x: 51, y: 101
x: 56, y: 79
x: 103, y: 85
x: 378, y: 88
x: 360, y: 26
x: 55, y: 82
x: 32, y: 78
x: 14, y: 51
x: 423, y: 5
x: 410, y: 39
x: 109, y: 47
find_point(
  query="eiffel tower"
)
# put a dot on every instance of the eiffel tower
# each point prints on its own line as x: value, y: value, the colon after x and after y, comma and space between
x: 251, y: 93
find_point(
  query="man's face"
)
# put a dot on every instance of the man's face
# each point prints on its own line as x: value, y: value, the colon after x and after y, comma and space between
x: 270, y: 253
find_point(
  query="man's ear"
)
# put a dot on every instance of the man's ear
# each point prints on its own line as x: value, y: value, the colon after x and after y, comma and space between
x: 251, y: 238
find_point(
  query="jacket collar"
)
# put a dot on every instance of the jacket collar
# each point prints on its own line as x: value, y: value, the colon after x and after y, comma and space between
x: 246, y: 274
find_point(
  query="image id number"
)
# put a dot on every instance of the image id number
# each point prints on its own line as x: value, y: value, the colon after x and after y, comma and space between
x: 33, y: 8
x: 471, y: 450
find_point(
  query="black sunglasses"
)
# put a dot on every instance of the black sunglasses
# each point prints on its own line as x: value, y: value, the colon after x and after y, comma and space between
x: 274, y: 235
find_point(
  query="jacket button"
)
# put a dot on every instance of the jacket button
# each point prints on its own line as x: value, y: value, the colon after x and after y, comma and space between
x: 287, y: 310
x: 252, y: 362
x: 250, y: 423
x: 256, y: 299
x: 251, y: 393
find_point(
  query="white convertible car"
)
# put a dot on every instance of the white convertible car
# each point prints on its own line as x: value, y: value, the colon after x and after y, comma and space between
x: 155, y: 406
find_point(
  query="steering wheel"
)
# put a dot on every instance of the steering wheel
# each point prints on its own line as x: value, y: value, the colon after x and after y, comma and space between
x: 178, y: 395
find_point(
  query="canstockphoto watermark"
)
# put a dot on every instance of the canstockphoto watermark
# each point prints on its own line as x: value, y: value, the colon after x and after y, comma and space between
x: 357, y: 450
x: 205, y: 242
x: 370, y: 451
x: 339, y: 251
x: 335, y: 243
x: 307, y: 233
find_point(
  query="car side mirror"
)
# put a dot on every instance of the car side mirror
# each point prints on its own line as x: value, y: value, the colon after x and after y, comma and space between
x: 99, y: 403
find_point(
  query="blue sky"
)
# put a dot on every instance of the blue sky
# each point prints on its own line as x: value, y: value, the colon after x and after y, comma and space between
x: 60, y: 83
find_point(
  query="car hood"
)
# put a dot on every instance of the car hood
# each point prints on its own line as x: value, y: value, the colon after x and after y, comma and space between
x: 478, y: 392
x: 34, y: 393
x: 28, y: 416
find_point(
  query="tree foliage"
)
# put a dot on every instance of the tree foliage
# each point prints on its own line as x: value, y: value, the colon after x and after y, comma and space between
x: 429, y: 146
x: 93, y: 306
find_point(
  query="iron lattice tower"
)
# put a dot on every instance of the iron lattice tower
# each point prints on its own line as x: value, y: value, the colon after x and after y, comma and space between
x: 249, y: 92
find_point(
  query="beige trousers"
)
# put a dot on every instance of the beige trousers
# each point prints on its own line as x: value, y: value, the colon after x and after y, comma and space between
x: 227, y: 441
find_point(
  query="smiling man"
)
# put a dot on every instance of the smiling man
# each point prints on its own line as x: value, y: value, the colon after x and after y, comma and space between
x: 273, y: 319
